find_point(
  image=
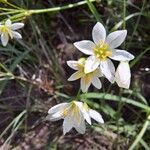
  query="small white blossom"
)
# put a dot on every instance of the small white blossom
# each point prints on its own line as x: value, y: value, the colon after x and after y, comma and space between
x: 123, y: 75
x: 102, y: 49
x: 8, y: 30
x: 86, y: 78
x: 74, y: 114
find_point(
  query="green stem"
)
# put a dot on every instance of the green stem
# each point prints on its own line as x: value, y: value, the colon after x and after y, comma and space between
x: 16, y: 7
x: 118, y: 113
x: 7, y: 9
x: 28, y: 106
x: 137, y: 23
x: 140, y: 135
x: 119, y: 24
x: 111, y: 97
x: 78, y: 94
x: 124, y: 18
x: 124, y: 14
x: 136, y: 60
x: 69, y: 6
x: 22, y: 14
x: 94, y: 11
x: 11, y: 12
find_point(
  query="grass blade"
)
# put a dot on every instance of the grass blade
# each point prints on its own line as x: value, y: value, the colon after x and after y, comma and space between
x: 140, y: 135
x: 115, y: 98
x: 136, y: 60
x: 94, y: 11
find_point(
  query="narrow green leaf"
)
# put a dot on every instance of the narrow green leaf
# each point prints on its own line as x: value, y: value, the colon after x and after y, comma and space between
x: 144, y: 144
x: 140, y: 135
x: 12, y: 67
x: 119, y: 24
x: 139, y: 57
x: 94, y: 11
x: 111, y: 97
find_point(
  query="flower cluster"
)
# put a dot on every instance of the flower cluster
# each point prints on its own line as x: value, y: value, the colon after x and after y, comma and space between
x: 99, y: 63
x: 89, y: 70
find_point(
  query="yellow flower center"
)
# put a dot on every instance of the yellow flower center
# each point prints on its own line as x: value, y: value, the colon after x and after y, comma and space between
x: 65, y: 112
x: 88, y: 77
x: 81, y: 62
x: 72, y: 110
x: 86, y: 107
x: 102, y: 50
x: 75, y: 112
x: 72, y: 107
x: 5, y: 30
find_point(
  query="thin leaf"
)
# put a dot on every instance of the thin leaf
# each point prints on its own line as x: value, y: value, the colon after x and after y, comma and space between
x: 140, y: 135
x: 94, y: 11
x: 111, y: 97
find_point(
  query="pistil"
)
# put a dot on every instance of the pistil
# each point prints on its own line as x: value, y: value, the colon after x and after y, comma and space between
x: 102, y: 51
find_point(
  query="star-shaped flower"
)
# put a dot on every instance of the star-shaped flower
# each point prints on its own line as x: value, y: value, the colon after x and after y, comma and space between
x: 102, y: 49
x: 86, y: 78
x: 74, y: 114
x: 8, y: 30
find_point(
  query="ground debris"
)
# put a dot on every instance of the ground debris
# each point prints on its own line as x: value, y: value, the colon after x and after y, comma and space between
x: 89, y: 141
x: 34, y: 140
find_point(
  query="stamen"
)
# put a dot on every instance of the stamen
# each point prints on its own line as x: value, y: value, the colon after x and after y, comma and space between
x: 81, y: 64
x: 81, y: 61
x: 102, y: 51
x: 75, y: 112
x: 65, y: 112
x: 5, y: 29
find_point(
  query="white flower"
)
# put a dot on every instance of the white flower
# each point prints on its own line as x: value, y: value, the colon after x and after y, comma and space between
x: 102, y: 49
x: 86, y: 78
x: 123, y: 75
x: 74, y: 115
x: 8, y: 31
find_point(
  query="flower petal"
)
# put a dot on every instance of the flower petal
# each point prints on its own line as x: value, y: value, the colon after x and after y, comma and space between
x: 123, y: 75
x: 121, y: 55
x: 85, y: 46
x: 85, y: 82
x: 108, y: 69
x: 8, y: 22
x: 75, y: 76
x: 98, y: 72
x: 55, y: 116
x: 4, y: 39
x: 67, y: 124
x: 57, y: 108
x: 91, y: 64
x: 79, y: 104
x: 73, y: 64
x: 87, y: 117
x: 16, y: 26
x: 98, y: 33
x: 83, y: 111
x: 116, y: 38
x: 96, y: 82
x: 81, y: 127
x: 96, y: 116
x: 16, y: 35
